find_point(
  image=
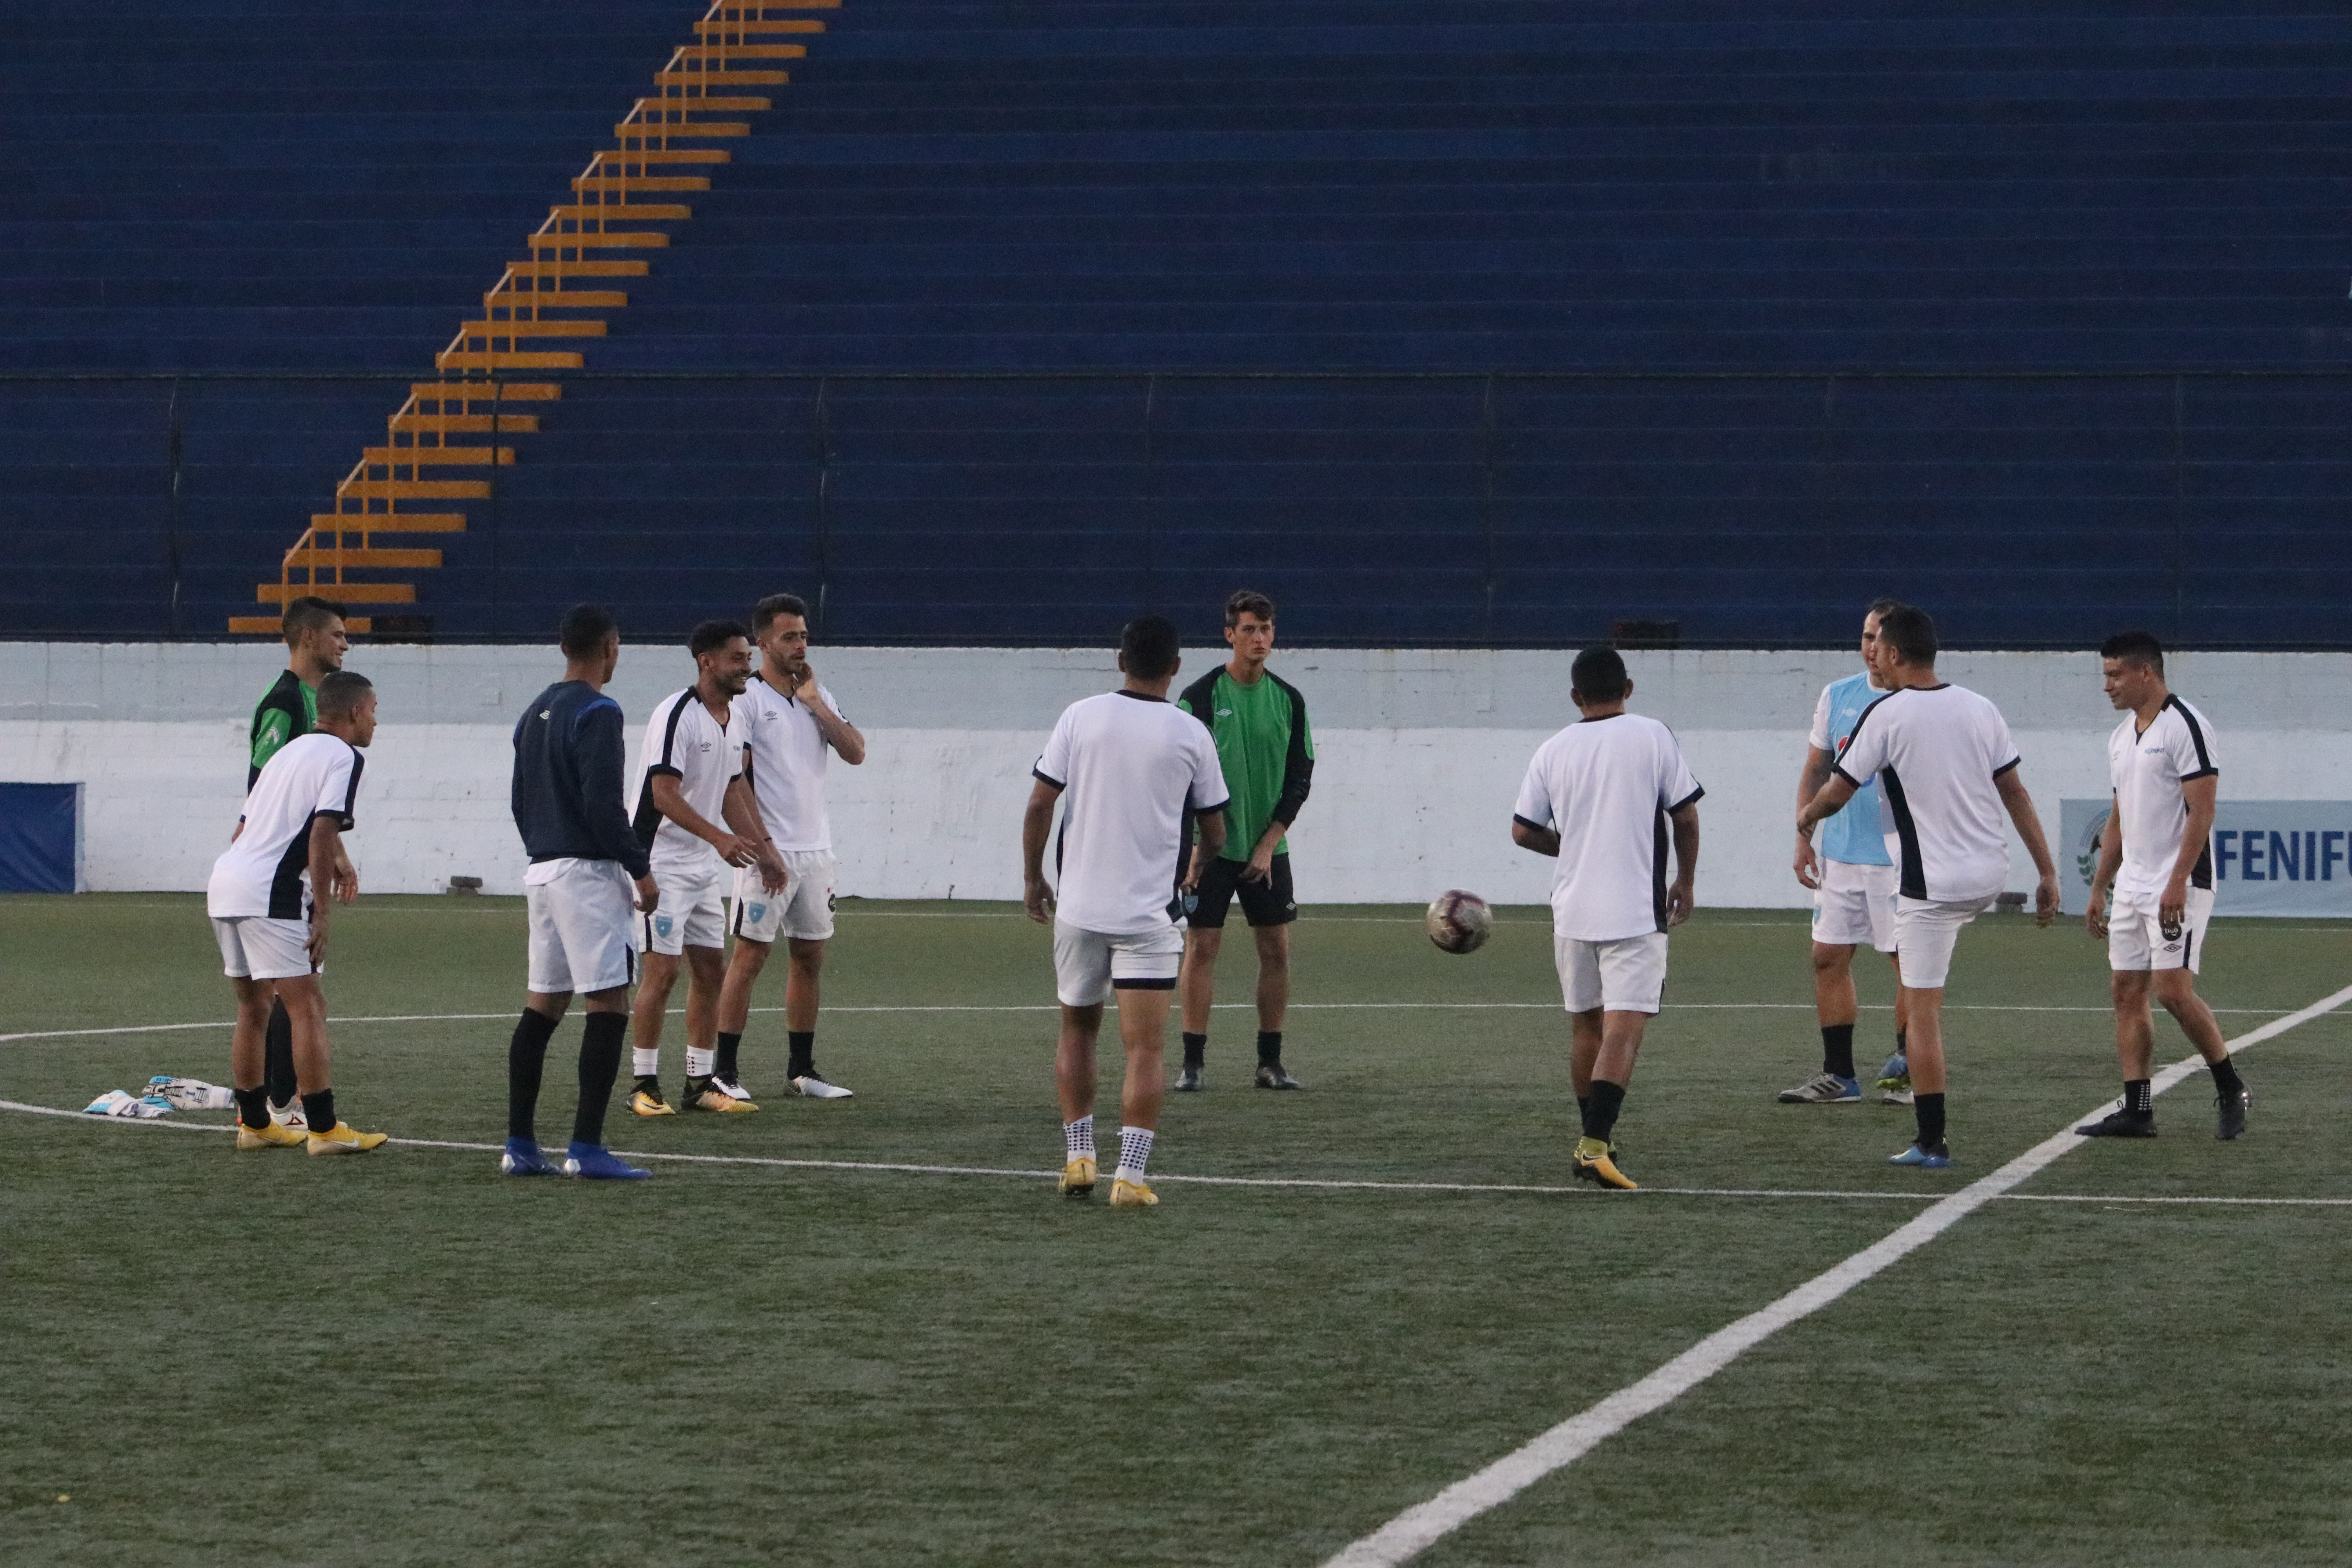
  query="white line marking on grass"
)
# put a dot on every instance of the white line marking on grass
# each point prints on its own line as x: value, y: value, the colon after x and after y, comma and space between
x: 1424, y: 1524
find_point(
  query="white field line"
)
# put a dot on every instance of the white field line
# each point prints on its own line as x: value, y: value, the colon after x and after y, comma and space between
x: 1306, y: 1183
x: 1424, y: 1524
x: 1048, y: 1007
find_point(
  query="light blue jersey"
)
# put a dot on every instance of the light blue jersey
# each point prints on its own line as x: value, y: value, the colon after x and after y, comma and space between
x: 1856, y: 834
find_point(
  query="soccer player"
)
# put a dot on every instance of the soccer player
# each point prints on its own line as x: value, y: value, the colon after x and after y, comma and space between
x: 788, y: 724
x: 1259, y: 724
x: 689, y: 790
x: 315, y: 645
x: 568, y: 751
x: 1131, y: 764
x: 1603, y: 797
x: 269, y: 913
x: 1852, y: 883
x: 2157, y: 854
x: 1950, y: 772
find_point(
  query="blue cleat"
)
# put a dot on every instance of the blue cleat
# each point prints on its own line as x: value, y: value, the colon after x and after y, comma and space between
x: 594, y: 1163
x: 523, y: 1158
x: 1936, y: 1158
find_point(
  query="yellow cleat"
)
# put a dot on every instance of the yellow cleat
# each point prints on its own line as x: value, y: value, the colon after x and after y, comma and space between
x: 1594, y: 1164
x: 1126, y: 1195
x: 1078, y: 1178
x: 343, y: 1138
x: 710, y: 1097
x: 649, y: 1102
x: 275, y: 1136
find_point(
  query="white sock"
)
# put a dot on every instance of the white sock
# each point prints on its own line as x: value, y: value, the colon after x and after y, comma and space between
x: 699, y: 1063
x: 1134, y: 1153
x: 649, y: 1060
x: 1078, y: 1138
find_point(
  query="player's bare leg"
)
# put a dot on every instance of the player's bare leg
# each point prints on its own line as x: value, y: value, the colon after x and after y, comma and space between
x: 1073, y: 1079
x: 706, y: 976
x: 2175, y: 989
x: 1198, y: 982
x: 802, y: 991
x: 305, y: 1008
x: 657, y: 977
x: 1926, y: 1054
x: 1603, y: 1046
x: 1836, y: 1008
x: 1143, y: 1033
x: 248, y: 1057
x: 1273, y: 1004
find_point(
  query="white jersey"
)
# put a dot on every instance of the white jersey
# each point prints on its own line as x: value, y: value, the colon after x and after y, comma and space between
x: 2148, y: 770
x: 1130, y: 765
x: 268, y: 870
x: 786, y: 755
x: 1606, y: 786
x: 703, y: 754
x: 1936, y: 752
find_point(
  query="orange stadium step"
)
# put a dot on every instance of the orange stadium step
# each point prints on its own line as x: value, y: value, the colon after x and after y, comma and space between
x: 739, y: 30
x: 349, y: 593
x: 635, y: 183
x: 413, y: 489
x: 435, y: 456
x: 558, y: 327
x: 472, y: 392
x: 466, y: 359
x: 721, y: 77
x: 673, y: 105
x: 555, y: 299
x: 724, y: 52
x: 468, y: 424
x: 630, y: 129
x: 372, y: 522
x: 607, y: 239
x: 369, y: 557
x: 627, y: 157
x: 626, y: 212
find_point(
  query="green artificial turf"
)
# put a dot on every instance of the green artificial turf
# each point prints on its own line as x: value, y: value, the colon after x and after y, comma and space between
x: 404, y: 1358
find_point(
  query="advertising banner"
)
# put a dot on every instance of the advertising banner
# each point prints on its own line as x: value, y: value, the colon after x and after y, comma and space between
x: 2270, y: 857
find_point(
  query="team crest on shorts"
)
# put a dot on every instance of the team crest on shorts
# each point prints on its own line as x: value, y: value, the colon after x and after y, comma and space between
x: 661, y: 925
x: 757, y: 911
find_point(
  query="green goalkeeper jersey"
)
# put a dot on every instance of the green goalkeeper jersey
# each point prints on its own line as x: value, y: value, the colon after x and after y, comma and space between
x: 287, y: 709
x: 1264, y: 747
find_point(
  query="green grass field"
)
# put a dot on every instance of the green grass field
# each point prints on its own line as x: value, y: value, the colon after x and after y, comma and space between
x: 267, y: 1359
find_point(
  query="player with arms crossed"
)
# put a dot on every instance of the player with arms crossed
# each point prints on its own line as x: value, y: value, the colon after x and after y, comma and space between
x: 788, y: 724
x: 568, y: 751
x: 2157, y: 856
x: 1852, y: 883
x: 269, y: 913
x: 1944, y: 757
x: 689, y: 781
x: 315, y: 645
x: 1131, y: 765
x: 1259, y: 724
x: 1603, y: 796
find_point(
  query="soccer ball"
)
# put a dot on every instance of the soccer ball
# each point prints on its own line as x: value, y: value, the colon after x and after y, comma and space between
x: 1459, y: 921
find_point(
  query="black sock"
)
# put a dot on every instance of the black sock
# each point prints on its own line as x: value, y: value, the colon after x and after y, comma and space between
x: 278, y: 1056
x: 1269, y: 1047
x: 1930, y: 1111
x: 1837, y: 1049
x: 1196, y: 1049
x: 319, y: 1110
x: 1600, y: 1108
x: 526, y: 1056
x: 801, y: 1046
x: 2138, y: 1098
x: 600, y: 1065
x: 252, y: 1107
x: 2226, y: 1079
x: 723, y: 1064
x: 1581, y: 1102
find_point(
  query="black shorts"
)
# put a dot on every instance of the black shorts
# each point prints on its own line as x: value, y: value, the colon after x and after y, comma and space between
x: 1266, y: 904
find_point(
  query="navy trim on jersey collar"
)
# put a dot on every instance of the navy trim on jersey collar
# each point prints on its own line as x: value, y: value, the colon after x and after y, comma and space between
x: 1138, y: 696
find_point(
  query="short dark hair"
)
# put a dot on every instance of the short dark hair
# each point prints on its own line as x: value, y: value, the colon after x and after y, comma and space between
x: 341, y: 694
x: 775, y: 605
x: 1881, y: 607
x: 1910, y: 633
x: 585, y: 629
x: 307, y: 615
x: 1147, y: 647
x: 2135, y: 647
x: 712, y: 636
x: 1248, y: 602
x: 1598, y: 675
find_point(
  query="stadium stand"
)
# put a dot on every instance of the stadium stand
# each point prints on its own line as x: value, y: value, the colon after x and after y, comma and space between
x: 1499, y: 322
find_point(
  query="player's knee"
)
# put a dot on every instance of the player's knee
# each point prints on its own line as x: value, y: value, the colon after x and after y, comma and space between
x: 1274, y: 946
x: 2175, y: 988
x: 1203, y: 942
x: 1830, y: 959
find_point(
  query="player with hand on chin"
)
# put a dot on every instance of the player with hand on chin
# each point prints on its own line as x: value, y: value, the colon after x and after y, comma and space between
x: 1944, y: 757
x: 2156, y: 854
x: 1131, y: 765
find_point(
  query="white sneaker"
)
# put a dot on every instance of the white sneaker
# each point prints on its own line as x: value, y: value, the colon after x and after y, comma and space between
x: 290, y: 1115
x: 816, y: 1087
x: 732, y: 1088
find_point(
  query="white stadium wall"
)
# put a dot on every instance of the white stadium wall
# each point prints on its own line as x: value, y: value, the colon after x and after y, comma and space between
x: 1418, y: 753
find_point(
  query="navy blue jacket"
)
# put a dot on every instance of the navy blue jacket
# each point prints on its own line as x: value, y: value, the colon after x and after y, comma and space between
x: 569, y: 752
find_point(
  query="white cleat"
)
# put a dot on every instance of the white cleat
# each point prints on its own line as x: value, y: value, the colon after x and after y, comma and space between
x: 816, y: 1087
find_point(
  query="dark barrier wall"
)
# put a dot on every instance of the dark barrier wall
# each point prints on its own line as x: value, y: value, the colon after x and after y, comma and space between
x: 2032, y: 314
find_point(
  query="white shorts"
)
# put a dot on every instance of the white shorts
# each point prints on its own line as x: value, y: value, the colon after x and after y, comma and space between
x: 255, y: 947
x: 689, y: 913
x: 1855, y: 904
x: 1088, y: 965
x: 2135, y: 938
x: 1627, y: 975
x: 1925, y: 932
x: 801, y: 912
x: 582, y: 916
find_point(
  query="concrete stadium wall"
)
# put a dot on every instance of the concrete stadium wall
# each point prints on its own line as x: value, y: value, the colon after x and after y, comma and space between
x: 1420, y: 753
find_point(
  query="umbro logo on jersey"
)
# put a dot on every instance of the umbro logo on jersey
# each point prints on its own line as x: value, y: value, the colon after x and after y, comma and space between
x: 546, y: 713
x: 1224, y: 712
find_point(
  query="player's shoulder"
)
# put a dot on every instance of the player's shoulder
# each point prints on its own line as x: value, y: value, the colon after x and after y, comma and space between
x: 1850, y: 688
x: 2187, y: 714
